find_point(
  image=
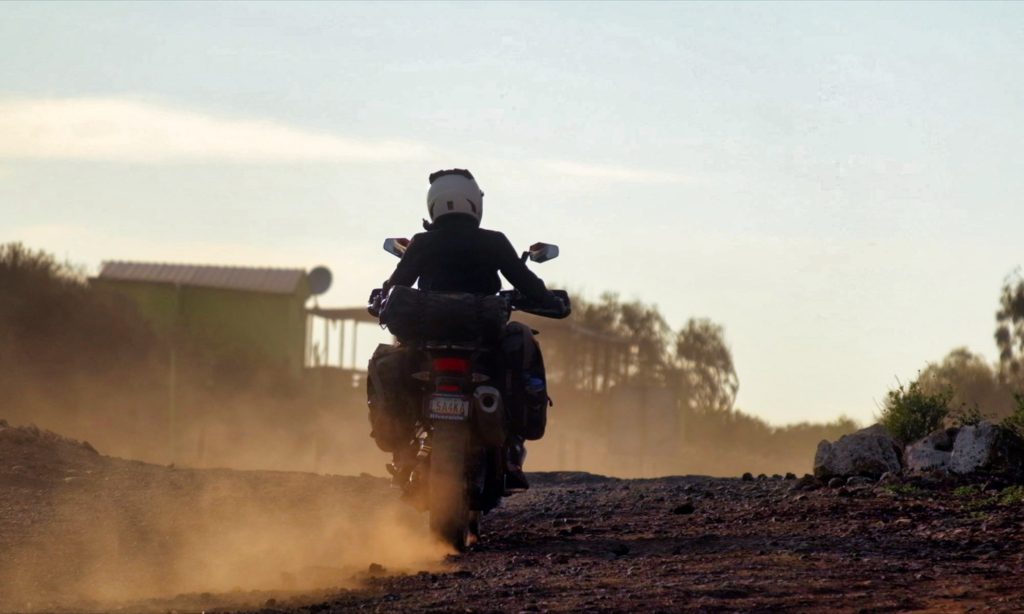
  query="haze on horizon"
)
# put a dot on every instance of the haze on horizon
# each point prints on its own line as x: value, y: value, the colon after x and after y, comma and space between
x: 837, y: 184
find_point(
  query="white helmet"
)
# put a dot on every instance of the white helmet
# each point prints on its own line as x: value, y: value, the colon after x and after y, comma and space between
x: 454, y: 191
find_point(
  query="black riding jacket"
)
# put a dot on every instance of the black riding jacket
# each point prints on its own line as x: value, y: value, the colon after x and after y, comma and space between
x: 456, y: 255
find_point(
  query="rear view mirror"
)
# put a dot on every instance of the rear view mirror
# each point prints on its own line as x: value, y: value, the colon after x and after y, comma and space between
x: 542, y: 252
x: 396, y: 247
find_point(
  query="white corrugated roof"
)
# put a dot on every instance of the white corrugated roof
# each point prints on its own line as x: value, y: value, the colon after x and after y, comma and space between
x: 252, y: 279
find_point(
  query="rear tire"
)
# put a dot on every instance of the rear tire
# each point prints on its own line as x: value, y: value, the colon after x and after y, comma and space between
x: 449, y: 507
x: 474, y: 528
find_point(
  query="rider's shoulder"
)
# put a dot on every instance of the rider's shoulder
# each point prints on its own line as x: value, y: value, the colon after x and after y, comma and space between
x: 423, y: 237
x: 493, y: 234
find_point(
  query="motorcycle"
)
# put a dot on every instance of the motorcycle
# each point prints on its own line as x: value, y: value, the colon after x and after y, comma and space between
x: 462, y: 433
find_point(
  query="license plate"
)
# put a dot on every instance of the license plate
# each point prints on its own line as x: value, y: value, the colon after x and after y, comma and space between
x: 449, y: 408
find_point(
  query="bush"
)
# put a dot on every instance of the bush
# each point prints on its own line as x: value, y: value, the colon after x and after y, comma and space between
x: 53, y: 325
x: 1015, y: 421
x: 967, y: 415
x: 910, y: 413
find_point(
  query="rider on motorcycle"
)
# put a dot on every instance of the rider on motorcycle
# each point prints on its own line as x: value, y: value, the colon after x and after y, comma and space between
x: 456, y: 255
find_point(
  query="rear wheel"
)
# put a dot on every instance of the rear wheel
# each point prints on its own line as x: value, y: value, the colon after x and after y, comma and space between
x: 449, y: 508
x: 474, y: 528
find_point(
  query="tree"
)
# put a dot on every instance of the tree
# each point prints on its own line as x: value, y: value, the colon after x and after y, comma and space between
x: 1010, y: 326
x: 704, y: 367
x: 640, y: 325
x: 974, y: 382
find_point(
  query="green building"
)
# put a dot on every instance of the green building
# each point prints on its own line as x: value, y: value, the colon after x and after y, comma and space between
x: 256, y: 310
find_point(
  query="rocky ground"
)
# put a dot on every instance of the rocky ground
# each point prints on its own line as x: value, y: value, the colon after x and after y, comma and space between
x: 583, y: 543
x: 575, y: 542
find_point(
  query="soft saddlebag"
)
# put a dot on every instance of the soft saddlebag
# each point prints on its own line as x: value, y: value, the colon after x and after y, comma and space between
x: 411, y: 314
x: 391, y: 396
x: 526, y: 392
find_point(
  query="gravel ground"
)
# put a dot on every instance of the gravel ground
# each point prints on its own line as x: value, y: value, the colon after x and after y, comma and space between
x: 583, y: 543
x: 83, y: 532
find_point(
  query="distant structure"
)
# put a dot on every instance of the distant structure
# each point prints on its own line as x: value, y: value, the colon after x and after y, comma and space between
x: 259, y: 310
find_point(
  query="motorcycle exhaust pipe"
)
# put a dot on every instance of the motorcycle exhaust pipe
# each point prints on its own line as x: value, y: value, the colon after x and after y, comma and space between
x: 490, y: 415
x: 488, y: 398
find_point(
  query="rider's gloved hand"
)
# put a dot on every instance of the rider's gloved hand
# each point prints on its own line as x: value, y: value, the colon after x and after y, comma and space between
x: 555, y: 303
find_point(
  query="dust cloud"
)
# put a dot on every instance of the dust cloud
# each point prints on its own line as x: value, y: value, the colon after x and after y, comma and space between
x: 81, y: 530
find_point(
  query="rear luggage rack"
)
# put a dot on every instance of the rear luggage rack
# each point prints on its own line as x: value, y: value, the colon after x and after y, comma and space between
x: 448, y: 345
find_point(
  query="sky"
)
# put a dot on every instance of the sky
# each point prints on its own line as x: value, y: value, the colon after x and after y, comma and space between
x: 837, y: 184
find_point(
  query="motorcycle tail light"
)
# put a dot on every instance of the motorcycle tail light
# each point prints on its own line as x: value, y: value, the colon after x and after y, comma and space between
x: 451, y: 365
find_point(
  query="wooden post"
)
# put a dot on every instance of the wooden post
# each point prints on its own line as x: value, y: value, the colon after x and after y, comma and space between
x: 327, y: 341
x: 309, y: 340
x: 355, y: 329
x: 172, y: 378
x: 341, y: 344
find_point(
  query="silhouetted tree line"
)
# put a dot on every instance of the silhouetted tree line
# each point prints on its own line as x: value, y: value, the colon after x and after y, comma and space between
x: 695, y: 360
x: 696, y: 365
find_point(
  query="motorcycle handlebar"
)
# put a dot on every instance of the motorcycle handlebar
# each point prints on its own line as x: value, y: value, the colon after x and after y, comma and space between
x: 516, y: 302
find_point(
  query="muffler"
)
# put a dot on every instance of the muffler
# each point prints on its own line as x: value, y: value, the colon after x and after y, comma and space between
x: 489, y: 415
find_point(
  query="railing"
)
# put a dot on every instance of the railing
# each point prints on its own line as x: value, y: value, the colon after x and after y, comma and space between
x: 333, y: 338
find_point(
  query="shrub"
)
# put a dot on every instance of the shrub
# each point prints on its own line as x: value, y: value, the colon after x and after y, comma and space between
x: 965, y: 492
x: 910, y: 413
x: 1014, y: 495
x: 967, y: 415
x: 54, y: 325
x: 1015, y: 421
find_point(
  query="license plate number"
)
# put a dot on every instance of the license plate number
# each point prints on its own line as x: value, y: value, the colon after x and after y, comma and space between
x: 449, y: 408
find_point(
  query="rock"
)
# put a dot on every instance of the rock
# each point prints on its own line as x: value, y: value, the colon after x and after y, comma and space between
x: 869, y: 452
x: 836, y: 482
x: 686, y: 507
x: 988, y: 448
x: 790, y: 476
x: 808, y: 482
x: 931, y: 453
x: 748, y: 477
x: 859, y: 480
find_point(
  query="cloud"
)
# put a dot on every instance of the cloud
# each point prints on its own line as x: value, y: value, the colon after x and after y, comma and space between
x: 126, y: 130
x: 610, y: 173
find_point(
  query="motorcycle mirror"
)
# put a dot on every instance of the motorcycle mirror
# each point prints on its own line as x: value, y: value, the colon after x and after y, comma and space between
x: 542, y: 252
x: 396, y: 247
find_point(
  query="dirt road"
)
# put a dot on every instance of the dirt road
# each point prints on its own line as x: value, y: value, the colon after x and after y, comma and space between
x: 584, y: 543
x: 83, y: 532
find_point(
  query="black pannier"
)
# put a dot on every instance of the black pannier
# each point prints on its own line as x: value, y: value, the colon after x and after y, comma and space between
x: 526, y: 393
x: 451, y: 316
x: 391, y: 396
